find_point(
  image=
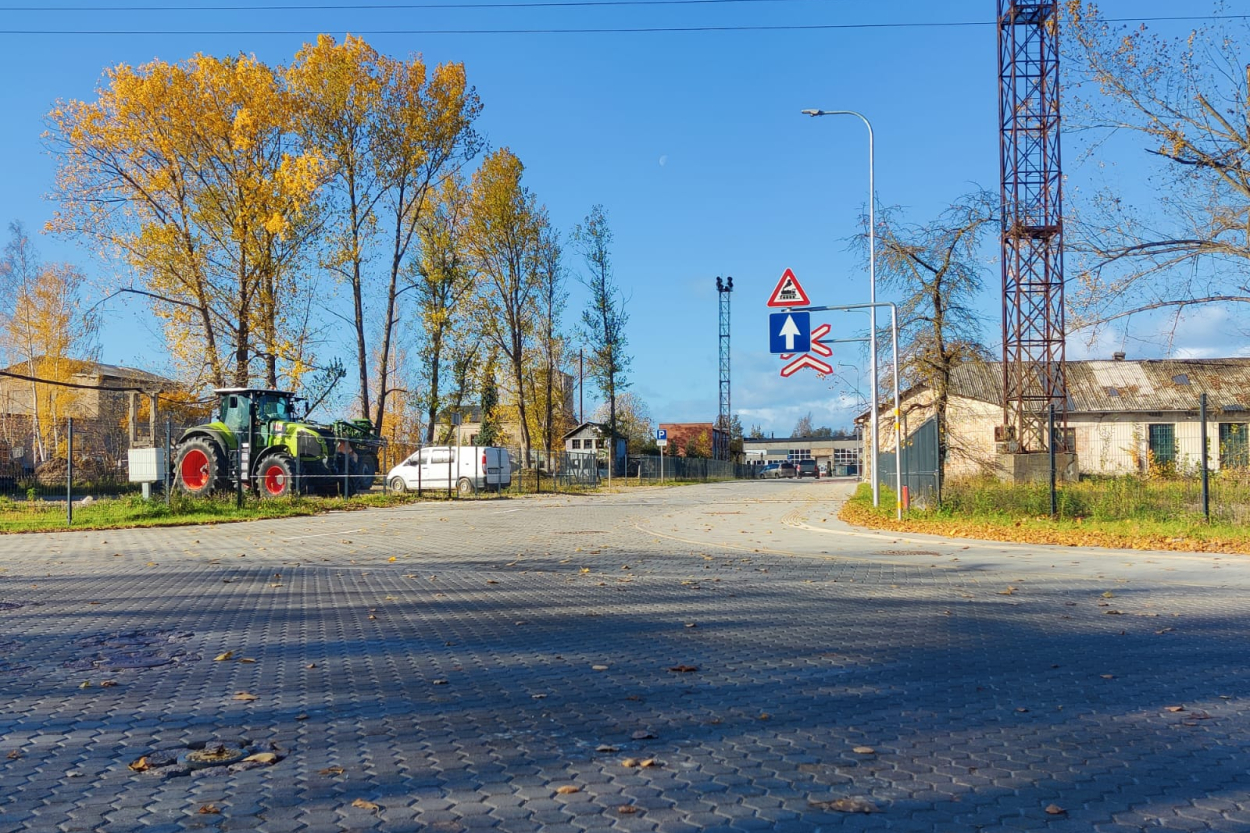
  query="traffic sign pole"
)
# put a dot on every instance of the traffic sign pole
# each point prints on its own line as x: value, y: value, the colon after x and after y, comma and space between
x: 898, y: 411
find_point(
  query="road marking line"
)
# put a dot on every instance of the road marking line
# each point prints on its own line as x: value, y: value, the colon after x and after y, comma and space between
x: 323, y: 534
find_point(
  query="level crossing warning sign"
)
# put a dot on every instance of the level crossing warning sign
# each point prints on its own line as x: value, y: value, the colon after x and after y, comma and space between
x: 788, y: 292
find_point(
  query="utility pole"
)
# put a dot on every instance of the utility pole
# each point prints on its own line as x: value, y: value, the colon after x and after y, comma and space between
x: 581, y: 386
x: 723, y: 290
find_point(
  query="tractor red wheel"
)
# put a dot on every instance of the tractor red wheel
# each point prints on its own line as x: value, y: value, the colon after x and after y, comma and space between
x: 194, y: 469
x: 277, y: 477
x: 200, y: 466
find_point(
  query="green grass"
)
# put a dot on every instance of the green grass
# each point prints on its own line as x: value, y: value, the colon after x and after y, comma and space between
x: 1114, y: 512
x: 134, y: 511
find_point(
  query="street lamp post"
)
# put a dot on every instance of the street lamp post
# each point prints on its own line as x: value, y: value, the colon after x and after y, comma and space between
x: 872, y: 288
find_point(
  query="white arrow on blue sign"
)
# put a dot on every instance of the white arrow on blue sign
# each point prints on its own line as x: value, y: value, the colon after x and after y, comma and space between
x: 789, y: 332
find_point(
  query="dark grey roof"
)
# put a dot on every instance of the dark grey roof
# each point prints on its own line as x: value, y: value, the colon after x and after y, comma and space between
x: 1126, y: 386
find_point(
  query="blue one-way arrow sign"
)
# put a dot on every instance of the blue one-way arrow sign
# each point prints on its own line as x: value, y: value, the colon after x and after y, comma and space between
x: 789, y: 332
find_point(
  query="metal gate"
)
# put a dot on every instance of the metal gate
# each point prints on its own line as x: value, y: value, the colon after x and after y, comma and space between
x: 920, y: 465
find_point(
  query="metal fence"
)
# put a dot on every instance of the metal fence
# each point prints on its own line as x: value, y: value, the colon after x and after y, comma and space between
x: 79, y: 467
x: 52, y: 466
x: 920, y: 467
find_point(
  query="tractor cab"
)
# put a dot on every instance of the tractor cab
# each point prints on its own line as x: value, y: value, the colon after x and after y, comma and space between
x: 238, y: 406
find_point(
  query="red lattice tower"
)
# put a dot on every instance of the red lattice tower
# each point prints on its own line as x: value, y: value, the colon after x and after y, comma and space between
x: 1032, y: 223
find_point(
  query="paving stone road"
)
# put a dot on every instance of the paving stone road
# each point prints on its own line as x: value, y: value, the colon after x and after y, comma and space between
x: 509, y: 665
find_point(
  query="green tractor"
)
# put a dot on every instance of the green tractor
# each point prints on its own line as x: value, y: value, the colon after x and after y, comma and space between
x: 258, y: 432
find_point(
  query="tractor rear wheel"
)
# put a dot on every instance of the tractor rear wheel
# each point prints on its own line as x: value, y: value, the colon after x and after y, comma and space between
x: 362, y: 478
x: 277, y: 476
x: 200, y: 467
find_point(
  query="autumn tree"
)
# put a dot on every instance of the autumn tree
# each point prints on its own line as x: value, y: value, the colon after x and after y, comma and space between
x: 188, y: 172
x: 604, y: 317
x: 48, y: 332
x: 444, y: 281
x: 550, y: 386
x: 506, y: 230
x: 1183, y: 105
x: 633, y: 419
x: 803, y: 428
x: 392, y: 132
x: 935, y: 270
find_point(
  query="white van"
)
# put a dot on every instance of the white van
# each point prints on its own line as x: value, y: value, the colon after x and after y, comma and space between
x: 469, y: 468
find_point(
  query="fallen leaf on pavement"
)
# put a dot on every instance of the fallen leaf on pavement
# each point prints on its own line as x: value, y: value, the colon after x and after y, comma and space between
x: 263, y: 758
x: 568, y: 789
x: 845, y: 805
x: 864, y: 750
x: 245, y: 696
x: 598, y: 668
x: 627, y: 809
x: 366, y: 805
x: 223, y: 657
x: 209, y: 810
x: 140, y: 765
x: 1176, y: 708
x: 1055, y: 810
x: 108, y: 683
x: 629, y: 762
x: 332, y: 770
x: 642, y: 734
x: 649, y: 762
x: 684, y: 669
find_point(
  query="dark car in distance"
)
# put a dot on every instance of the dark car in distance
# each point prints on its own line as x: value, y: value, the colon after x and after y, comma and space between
x: 808, y: 468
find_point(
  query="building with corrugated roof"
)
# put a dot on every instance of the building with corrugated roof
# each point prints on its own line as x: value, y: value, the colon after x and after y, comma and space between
x: 1123, y: 416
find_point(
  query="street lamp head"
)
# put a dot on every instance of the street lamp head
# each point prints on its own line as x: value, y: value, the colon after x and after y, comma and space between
x: 811, y: 112
x: 719, y: 286
x: 730, y: 284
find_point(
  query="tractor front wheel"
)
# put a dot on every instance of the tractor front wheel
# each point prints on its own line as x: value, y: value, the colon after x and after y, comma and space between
x: 277, y: 476
x: 200, y: 467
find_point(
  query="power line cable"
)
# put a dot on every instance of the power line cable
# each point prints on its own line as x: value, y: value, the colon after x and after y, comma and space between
x: 808, y: 27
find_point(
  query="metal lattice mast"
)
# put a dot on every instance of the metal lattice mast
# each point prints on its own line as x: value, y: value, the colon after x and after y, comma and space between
x: 724, y: 289
x: 1032, y: 222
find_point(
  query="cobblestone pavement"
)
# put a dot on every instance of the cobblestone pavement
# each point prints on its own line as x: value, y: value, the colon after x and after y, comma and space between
x: 511, y: 665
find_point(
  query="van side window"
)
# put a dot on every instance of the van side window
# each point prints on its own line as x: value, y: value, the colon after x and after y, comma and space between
x: 440, y: 455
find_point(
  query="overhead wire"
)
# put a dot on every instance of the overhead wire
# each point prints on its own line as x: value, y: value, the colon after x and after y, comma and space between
x: 601, y: 30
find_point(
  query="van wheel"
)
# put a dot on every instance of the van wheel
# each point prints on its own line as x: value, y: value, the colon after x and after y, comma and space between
x: 465, y: 487
x: 398, y: 485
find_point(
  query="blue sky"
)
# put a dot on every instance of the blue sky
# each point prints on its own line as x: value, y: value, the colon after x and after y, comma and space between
x: 693, y: 141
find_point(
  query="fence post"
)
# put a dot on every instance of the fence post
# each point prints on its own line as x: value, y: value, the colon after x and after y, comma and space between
x: 1206, y: 470
x: 69, y: 472
x: 169, y: 460
x: 1050, y: 428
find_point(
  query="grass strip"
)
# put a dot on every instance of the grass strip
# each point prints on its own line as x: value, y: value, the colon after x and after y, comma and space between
x: 993, y: 522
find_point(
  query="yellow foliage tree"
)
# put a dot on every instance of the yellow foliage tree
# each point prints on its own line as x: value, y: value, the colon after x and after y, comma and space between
x: 189, y: 173
x: 47, y: 335
x: 505, y: 240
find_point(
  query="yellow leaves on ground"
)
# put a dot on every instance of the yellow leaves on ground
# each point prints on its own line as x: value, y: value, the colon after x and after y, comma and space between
x: 362, y: 804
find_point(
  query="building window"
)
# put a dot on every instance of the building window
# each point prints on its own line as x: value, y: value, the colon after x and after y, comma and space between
x: 796, y: 454
x: 1162, y: 444
x: 1234, y: 448
x: 577, y: 444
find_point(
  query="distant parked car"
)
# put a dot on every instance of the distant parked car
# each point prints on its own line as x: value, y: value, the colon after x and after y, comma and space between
x: 777, y: 470
x: 808, y: 468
